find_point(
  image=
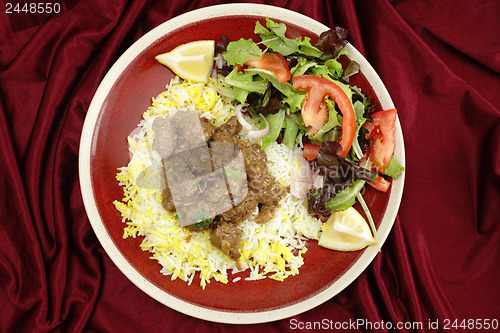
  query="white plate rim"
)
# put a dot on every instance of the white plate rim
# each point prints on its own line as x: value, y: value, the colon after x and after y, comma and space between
x: 233, y: 317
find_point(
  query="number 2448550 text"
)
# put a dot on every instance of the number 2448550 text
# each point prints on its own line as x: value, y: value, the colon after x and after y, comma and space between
x: 32, y: 8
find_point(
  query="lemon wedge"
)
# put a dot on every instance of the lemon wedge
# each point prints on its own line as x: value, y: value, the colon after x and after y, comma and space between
x: 191, y: 61
x: 346, y: 230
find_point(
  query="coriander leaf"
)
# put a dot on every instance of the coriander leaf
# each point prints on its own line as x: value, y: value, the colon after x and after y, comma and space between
x: 203, y: 224
x: 200, y: 221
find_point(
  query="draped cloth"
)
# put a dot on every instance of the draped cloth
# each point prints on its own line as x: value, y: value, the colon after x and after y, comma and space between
x: 440, y: 61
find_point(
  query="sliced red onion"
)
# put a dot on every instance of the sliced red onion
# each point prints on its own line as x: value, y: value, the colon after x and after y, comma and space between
x: 260, y: 133
x: 300, y: 179
x: 220, y: 61
x: 251, y: 132
x: 241, y: 119
x: 132, y: 134
x: 317, y: 180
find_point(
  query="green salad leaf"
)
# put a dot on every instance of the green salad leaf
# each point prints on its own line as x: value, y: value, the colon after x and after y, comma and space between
x: 242, y: 83
x: 275, y: 125
x: 303, y: 64
x: 347, y: 197
x: 306, y: 48
x: 293, y: 98
x: 241, y: 51
x: 333, y: 121
x: 291, y: 132
x: 273, y: 36
x: 359, y: 110
x: 394, y: 168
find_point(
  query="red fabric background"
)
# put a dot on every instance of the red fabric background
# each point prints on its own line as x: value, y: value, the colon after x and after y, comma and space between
x: 440, y: 61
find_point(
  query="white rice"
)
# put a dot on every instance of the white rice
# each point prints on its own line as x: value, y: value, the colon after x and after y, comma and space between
x: 270, y: 250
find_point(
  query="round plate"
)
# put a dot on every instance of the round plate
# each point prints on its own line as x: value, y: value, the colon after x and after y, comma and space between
x: 116, y: 109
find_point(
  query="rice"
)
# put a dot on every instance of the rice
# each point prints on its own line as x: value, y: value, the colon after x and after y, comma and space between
x: 270, y: 250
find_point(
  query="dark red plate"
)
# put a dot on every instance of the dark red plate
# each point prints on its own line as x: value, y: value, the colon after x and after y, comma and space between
x: 115, y: 111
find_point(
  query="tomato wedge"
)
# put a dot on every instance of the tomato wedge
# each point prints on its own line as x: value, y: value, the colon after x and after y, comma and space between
x: 381, y: 133
x: 310, y: 151
x: 380, y: 184
x: 315, y: 116
x: 273, y: 62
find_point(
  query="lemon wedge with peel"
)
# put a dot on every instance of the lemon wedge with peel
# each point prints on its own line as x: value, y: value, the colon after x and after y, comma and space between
x: 346, y: 230
x: 191, y: 61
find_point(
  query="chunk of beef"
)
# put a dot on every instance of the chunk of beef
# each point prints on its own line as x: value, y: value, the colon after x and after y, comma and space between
x: 167, y: 201
x: 223, y: 153
x: 196, y: 161
x: 208, y: 128
x: 183, y: 131
x: 165, y: 142
x: 226, y: 236
x: 227, y: 132
x: 262, y: 185
x: 241, y: 211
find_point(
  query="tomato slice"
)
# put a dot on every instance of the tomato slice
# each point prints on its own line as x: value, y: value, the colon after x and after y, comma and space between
x: 240, y: 68
x: 310, y: 151
x: 381, y: 133
x: 380, y: 184
x: 315, y: 116
x: 273, y: 62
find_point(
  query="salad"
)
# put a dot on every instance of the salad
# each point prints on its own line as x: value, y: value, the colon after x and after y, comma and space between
x: 299, y: 94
